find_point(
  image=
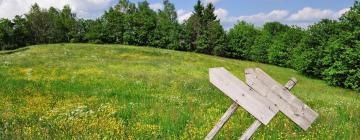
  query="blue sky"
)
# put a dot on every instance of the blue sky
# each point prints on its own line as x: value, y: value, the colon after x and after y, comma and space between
x: 294, y: 12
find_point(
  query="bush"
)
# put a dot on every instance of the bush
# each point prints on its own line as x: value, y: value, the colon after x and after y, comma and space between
x: 241, y: 38
x: 282, y: 51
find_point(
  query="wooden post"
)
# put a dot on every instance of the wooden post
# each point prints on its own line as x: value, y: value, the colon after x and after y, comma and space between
x: 222, y: 121
x: 251, y: 130
x: 256, y: 124
x: 291, y: 83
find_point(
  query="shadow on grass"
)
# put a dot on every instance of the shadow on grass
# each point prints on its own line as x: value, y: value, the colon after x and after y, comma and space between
x: 14, y: 51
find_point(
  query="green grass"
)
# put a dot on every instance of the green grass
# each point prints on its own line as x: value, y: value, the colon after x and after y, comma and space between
x: 84, y: 91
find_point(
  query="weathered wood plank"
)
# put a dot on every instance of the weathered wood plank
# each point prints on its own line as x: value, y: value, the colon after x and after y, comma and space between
x: 256, y: 124
x: 222, y: 121
x: 282, y: 98
x: 257, y: 105
x: 308, y: 113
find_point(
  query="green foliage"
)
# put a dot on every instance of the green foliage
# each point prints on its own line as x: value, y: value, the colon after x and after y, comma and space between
x: 259, y: 51
x: 212, y: 36
x: 217, y: 38
x: 67, y: 23
x: 343, y: 55
x: 202, y: 31
x: 6, y: 34
x: 129, y: 9
x: 269, y: 33
x: 240, y: 40
x: 80, y: 30
x: 312, y: 49
x: 193, y: 28
x: 113, y: 26
x: 281, y: 52
x: 22, y: 33
x: 166, y: 34
x: 40, y: 24
x: 95, y: 32
x: 275, y: 28
x: 52, y: 25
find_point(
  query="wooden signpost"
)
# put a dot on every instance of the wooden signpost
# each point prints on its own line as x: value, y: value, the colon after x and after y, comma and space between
x: 262, y: 97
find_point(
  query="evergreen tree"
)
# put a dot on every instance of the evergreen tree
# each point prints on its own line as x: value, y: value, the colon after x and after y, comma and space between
x: 166, y: 34
x: 193, y: 28
x: 217, y: 38
x: 203, y: 31
x: 209, y: 15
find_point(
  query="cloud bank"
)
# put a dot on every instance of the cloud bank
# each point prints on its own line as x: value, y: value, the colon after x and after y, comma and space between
x: 302, y: 18
x: 211, y: 1
x: 83, y: 8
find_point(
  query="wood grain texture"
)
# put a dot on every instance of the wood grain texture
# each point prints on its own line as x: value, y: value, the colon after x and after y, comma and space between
x: 258, y: 106
x: 256, y: 124
x: 282, y: 98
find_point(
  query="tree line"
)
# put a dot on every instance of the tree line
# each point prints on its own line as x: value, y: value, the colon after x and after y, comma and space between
x: 329, y: 49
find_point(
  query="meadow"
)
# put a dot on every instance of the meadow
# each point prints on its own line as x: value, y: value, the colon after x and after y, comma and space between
x: 86, y: 91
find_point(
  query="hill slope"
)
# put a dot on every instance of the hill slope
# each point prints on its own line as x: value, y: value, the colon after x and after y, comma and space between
x: 106, y: 91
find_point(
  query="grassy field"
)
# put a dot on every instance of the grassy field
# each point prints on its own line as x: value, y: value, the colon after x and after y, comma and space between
x: 84, y: 91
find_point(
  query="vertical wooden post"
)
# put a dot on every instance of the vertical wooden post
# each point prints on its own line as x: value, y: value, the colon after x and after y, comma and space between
x: 291, y: 83
x: 256, y: 124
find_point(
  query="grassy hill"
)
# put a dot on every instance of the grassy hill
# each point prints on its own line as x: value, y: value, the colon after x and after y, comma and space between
x: 88, y: 91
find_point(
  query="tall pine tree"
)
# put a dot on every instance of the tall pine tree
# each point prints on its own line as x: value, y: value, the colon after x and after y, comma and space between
x: 167, y: 30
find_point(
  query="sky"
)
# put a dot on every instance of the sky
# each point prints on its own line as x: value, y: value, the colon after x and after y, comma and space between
x: 293, y: 12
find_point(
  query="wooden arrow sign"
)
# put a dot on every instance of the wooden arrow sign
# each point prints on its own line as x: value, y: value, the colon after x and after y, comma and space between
x: 262, y: 97
x: 257, y: 105
x: 282, y: 98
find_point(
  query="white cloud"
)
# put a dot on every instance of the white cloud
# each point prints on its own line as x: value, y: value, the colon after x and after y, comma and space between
x: 301, y: 18
x: 156, y: 6
x: 83, y: 8
x: 183, y: 15
x: 221, y: 13
x: 274, y: 15
x: 341, y: 12
x: 257, y: 19
x: 310, y: 14
x: 211, y: 1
